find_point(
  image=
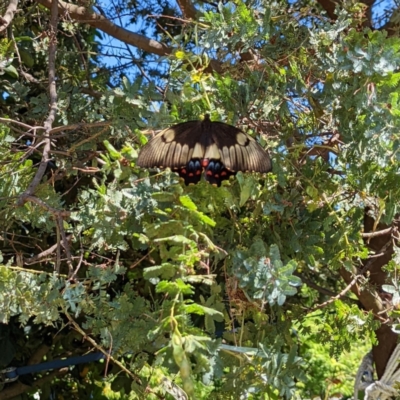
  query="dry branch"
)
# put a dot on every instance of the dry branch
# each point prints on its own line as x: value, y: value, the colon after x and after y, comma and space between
x: 187, y: 8
x: 377, y: 233
x: 45, y: 253
x: 9, y: 15
x: 329, y: 7
x: 101, y: 349
x: 54, y: 211
x: 53, y: 107
x: 91, y: 18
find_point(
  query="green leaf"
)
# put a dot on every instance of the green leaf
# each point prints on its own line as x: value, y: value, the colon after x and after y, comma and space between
x: 116, y: 155
x: 172, y: 288
x: 202, y: 310
x: 11, y: 71
x: 187, y: 202
x: 389, y: 289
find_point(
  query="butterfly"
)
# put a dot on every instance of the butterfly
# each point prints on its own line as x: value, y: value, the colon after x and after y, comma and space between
x: 216, y: 149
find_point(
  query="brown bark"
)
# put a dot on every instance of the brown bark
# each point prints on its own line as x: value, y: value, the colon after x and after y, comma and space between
x: 387, y: 339
x: 9, y: 15
x: 371, y: 299
x: 329, y: 7
x: 369, y: 295
x: 187, y: 9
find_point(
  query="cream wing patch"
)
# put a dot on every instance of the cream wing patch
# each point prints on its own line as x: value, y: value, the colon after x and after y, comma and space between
x: 232, y: 154
x: 168, y: 135
x: 241, y: 138
x: 212, y: 152
x: 170, y: 154
x: 198, y: 151
x: 184, y: 158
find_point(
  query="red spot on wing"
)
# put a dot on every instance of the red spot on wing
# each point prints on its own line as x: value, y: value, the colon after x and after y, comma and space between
x: 204, y: 162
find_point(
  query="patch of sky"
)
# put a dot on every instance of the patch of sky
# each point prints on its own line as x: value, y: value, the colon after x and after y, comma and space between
x: 121, y: 58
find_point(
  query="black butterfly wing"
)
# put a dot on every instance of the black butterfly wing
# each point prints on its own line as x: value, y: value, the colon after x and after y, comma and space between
x: 180, y: 147
x: 238, y: 150
x: 219, y: 149
x: 173, y: 147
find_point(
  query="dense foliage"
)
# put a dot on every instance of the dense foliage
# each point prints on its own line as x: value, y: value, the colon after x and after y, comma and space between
x: 271, y: 286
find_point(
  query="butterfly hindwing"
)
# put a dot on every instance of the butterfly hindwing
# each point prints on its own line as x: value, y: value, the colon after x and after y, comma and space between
x: 215, y: 172
x: 217, y: 149
x: 191, y: 173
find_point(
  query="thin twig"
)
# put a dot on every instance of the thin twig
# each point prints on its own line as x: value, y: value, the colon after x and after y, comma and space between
x: 65, y: 245
x: 77, y: 126
x: 98, y: 347
x: 360, y: 275
x: 44, y: 253
x: 72, y: 277
x: 140, y: 260
x: 338, y: 296
x: 31, y: 271
x: 54, y: 211
x: 13, y: 121
x: 58, y: 253
x: 377, y: 233
x: 142, y: 71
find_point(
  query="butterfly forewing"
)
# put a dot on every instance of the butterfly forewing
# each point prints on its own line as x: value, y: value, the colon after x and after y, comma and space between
x: 160, y: 153
x: 239, y: 151
x: 218, y: 149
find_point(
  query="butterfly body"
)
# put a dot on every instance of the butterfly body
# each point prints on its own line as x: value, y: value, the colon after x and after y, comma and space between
x: 195, y: 147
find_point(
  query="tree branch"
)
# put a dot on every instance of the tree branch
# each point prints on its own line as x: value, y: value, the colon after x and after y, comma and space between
x: 53, y: 106
x: 54, y: 211
x: 338, y: 296
x: 369, y: 297
x: 99, y: 22
x: 187, y: 8
x: 9, y: 15
x: 100, y: 348
x: 37, y: 258
x: 377, y: 233
x: 329, y: 7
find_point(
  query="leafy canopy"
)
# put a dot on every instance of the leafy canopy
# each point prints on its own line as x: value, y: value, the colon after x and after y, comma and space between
x: 198, y: 290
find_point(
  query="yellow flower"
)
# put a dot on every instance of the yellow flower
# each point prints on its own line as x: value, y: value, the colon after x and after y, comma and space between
x: 180, y: 55
x: 196, y: 77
